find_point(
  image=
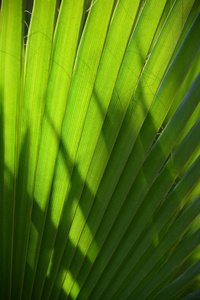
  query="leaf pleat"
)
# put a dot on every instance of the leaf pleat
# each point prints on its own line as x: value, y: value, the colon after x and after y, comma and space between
x: 99, y: 203
x: 37, y: 62
x: 99, y: 149
x: 62, y: 64
x: 11, y: 38
x: 179, y: 254
x: 180, y: 282
x: 143, y: 182
x: 193, y: 296
x: 156, y: 227
x: 85, y: 152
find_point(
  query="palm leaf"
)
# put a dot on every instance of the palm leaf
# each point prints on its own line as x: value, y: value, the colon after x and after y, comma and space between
x: 99, y: 156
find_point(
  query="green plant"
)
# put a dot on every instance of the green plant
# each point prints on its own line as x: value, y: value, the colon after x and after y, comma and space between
x: 99, y: 153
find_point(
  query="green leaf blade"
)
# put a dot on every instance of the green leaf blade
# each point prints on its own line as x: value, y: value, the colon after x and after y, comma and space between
x: 11, y: 35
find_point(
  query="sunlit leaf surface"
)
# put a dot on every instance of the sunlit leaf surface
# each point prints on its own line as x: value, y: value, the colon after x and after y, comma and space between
x: 99, y: 149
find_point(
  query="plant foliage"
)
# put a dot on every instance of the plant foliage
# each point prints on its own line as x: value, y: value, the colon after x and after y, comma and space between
x: 99, y: 149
